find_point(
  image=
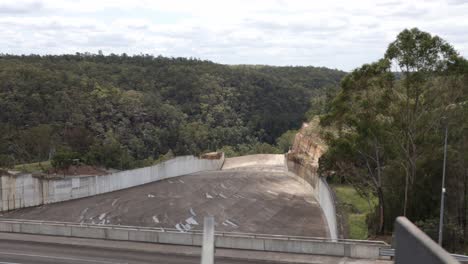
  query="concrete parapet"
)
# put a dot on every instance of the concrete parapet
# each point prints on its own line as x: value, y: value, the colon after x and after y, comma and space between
x: 19, y: 191
x: 413, y: 246
x: 197, y: 240
x: 83, y: 231
x: 346, y: 248
x: 117, y: 234
x: 143, y: 236
x: 54, y: 230
x: 10, y: 227
x: 240, y: 242
x: 305, y: 247
x: 177, y: 238
x: 364, y: 251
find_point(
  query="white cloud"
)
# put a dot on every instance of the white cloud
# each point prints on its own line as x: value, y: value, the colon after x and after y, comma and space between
x: 334, y: 33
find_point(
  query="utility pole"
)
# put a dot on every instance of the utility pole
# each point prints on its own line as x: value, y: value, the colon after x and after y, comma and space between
x: 442, y: 194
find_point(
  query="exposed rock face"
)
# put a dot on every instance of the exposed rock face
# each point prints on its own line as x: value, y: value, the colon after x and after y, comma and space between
x: 308, y: 145
x: 211, y: 155
x: 303, y: 161
x: 306, y: 151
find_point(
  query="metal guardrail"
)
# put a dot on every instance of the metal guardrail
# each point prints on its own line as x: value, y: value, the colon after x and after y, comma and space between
x: 390, y: 252
x: 461, y: 258
x: 387, y: 252
x: 200, y: 232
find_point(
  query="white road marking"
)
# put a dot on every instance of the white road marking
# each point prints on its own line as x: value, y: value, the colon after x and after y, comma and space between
x: 63, y: 258
x: 222, y: 195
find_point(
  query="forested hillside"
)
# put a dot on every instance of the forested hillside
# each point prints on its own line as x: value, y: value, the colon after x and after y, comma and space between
x: 390, y: 132
x: 124, y: 111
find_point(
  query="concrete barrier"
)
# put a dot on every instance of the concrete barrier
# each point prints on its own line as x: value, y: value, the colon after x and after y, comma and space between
x: 413, y: 246
x: 327, y: 203
x: 87, y: 232
x: 177, y: 238
x: 307, y: 173
x: 240, y: 242
x: 19, y: 191
x: 304, y: 245
x: 150, y: 236
x: 117, y: 234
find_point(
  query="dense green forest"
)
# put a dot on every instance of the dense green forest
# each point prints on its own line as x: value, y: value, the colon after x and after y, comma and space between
x: 124, y: 111
x: 388, y: 135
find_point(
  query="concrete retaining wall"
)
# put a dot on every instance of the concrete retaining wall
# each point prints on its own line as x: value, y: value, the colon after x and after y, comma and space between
x: 413, y: 246
x: 25, y: 190
x: 345, y: 248
x: 322, y: 192
x: 327, y: 202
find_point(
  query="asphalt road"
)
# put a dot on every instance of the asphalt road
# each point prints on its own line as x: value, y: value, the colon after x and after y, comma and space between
x: 25, y: 249
x: 13, y: 252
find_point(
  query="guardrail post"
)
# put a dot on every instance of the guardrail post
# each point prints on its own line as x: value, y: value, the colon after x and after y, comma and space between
x: 208, y: 241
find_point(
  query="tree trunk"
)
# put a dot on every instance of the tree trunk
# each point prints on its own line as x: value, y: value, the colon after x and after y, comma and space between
x: 381, y: 210
x: 405, y: 203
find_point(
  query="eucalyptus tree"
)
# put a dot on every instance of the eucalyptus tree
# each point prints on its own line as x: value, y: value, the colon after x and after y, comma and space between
x: 388, y: 116
x: 420, y: 57
x: 360, y: 112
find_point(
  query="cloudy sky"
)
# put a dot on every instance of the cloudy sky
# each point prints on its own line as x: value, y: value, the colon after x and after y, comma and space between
x: 339, y: 34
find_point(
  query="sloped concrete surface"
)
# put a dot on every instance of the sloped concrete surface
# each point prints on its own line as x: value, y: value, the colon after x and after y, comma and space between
x: 256, y: 198
x: 272, y: 162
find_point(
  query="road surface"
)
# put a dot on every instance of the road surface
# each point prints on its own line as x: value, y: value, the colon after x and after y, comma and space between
x: 39, y: 249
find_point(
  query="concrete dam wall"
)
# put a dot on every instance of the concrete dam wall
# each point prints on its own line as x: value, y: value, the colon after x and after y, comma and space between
x: 322, y: 193
x: 24, y: 190
x: 303, y: 161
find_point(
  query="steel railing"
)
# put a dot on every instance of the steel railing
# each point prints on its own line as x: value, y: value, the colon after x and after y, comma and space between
x: 390, y: 252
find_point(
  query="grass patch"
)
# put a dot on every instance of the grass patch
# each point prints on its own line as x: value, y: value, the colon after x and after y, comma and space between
x: 356, y: 209
x: 34, y: 167
x: 357, y: 226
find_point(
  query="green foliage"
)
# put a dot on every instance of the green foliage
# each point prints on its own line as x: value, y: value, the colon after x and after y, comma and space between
x: 6, y: 161
x: 248, y: 149
x: 391, y: 129
x: 150, y: 106
x: 110, y: 154
x: 356, y: 210
x: 358, y: 227
x: 285, y: 141
x: 64, y: 159
x: 41, y: 166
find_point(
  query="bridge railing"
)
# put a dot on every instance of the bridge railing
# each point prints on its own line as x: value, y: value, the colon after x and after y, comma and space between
x: 230, y: 240
x: 196, y: 231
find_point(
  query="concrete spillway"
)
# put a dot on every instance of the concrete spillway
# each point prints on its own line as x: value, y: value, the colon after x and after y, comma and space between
x: 251, y: 194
